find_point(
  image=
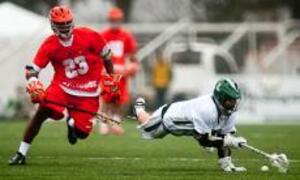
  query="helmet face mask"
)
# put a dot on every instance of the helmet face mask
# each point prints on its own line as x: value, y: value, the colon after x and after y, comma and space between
x: 63, y: 30
x: 231, y: 105
x: 227, y: 96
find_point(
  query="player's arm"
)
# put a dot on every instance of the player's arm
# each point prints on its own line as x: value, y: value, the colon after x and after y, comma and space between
x: 100, y: 45
x: 228, y: 140
x: 131, y: 47
x: 132, y: 57
x: 130, y: 50
x: 106, y: 55
x: 34, y: 87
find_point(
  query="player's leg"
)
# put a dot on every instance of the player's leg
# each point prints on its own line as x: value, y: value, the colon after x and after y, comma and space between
x: 105, y: 108
x: 150, y: 126
x: 33, y: 127
x: 81, y: 123
x: 140, y: 112
x: 116, y: 114
x: 115, y: 108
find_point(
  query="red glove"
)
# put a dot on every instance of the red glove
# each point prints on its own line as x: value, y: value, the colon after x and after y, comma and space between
x: 110, y: 87
x: 36, y: 90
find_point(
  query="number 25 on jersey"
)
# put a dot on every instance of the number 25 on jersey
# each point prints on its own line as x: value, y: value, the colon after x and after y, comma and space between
x: 76, y: 66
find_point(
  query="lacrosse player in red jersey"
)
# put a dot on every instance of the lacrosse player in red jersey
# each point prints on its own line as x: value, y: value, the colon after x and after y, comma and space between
x: 77, y: 55
x: 123, y: 46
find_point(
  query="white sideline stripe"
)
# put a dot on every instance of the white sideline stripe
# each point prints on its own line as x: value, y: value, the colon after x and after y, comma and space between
x: 141, y: 158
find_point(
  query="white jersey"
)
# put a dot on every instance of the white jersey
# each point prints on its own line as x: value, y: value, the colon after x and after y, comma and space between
x: 200, y: 115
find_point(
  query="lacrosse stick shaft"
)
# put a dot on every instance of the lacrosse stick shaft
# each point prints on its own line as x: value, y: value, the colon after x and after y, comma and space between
x: 97, y: 114
x: 257, y: 150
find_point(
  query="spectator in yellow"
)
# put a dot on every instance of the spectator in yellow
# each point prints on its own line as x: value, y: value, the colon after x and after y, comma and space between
x: 161, y: 78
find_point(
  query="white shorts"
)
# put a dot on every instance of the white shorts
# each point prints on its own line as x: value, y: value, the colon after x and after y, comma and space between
x: 154, y: 127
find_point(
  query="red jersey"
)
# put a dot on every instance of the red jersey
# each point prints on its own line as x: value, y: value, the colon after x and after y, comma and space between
x: 77, y: 64
x: 121, y: 43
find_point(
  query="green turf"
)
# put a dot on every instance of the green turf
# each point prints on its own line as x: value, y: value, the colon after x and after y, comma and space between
x: 130, y: 157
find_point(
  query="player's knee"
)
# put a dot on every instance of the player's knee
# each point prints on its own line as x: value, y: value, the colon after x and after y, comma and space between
x: 80, y: 134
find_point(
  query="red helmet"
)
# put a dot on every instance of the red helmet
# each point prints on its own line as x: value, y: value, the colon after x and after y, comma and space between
x: 61, y: 18
x: 115, y: 14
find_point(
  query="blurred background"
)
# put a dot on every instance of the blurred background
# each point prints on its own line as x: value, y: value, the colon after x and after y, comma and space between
x: 184, y: 47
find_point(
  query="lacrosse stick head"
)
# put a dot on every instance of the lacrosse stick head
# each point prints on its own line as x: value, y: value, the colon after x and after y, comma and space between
x: 280, y: 161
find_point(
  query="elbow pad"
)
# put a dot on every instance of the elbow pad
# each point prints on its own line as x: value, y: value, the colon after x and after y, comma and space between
x: 106, y: 53
x: 31, y: 72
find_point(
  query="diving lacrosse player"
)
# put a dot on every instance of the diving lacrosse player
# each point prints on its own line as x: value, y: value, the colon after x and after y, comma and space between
x: 77, y: 56
x: 210, y: 119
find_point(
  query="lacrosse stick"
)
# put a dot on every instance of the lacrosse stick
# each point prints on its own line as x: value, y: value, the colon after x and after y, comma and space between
x: 100, y: 116
x: 277, y: 160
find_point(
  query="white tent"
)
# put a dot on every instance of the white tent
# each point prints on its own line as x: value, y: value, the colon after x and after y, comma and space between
x: 21, y: 33
x: 17, y: 21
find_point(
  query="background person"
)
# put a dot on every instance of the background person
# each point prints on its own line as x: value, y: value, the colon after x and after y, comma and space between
x: 161, y: 79
x: 123, y: 46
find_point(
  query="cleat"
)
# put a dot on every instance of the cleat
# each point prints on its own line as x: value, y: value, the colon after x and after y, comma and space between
x: 139, y: 104
x: 17, y: 159
x: 72, y: 138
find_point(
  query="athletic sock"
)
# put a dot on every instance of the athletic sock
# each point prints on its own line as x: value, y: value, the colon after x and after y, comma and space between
x: 71, y: 122
x: 24, y: 147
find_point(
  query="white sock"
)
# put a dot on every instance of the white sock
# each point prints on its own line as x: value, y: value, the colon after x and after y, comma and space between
x: 139, y: 110
x: 71, y: 122
x: 24, y: 147
x: 117, y: 117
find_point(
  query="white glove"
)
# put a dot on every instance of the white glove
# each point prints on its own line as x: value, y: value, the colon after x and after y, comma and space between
x: 232, y: 141
x: 227, y: 165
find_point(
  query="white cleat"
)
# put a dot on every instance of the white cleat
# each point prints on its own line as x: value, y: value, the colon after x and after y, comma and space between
x: 139, y: 104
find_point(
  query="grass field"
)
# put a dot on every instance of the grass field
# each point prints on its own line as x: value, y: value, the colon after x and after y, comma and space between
x: 130, y: 157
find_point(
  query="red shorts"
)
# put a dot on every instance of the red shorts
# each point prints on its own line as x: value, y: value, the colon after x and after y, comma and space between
x: 83, y: 121
x: 123, y: 97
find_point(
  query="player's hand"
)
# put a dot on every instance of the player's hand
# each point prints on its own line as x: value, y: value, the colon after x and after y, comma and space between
x: 116, y: 78
x: 36, y: 90
x: 232, y: 141
x: 131, y: 69
x: 111, y: 82
x: 111, y: 87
